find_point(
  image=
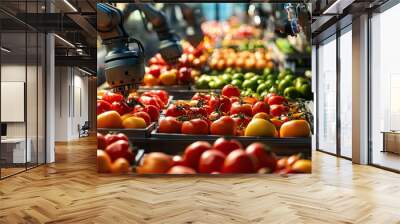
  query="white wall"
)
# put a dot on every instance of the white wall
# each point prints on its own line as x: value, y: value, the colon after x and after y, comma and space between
x: 71, y: 102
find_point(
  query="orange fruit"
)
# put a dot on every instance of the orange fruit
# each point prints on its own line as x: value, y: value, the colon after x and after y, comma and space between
x: 302, y: 166
x: 134, y: 122
x: 260, y: 127
x: 262, y: 115
x: 103, y: 162
x: 109, y: 119
x: 168, y: 78
x: 295, y: 128
x: 121, y: 165
x: 150, y: 80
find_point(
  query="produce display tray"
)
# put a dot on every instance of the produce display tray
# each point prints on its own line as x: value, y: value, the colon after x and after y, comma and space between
x: 131, y: 133
x: 176, y: 143
x: 166, y: 88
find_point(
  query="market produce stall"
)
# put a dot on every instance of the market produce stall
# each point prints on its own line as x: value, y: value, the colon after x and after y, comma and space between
x: 238, y: 86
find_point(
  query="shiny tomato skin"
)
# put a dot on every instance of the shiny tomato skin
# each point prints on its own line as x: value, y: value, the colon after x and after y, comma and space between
x: 230, y: 91
x: 112, y: 97
x: 110, y: 138
x: 225, y: 125
x: 192, y: 154
x: 265, y: 157
x: 119, y: 149
x: 273, y: 100
x: 241, y: 120
x: 175, y: 111
x: 121, y: 107
x: 226, y: 146
x: 178, y: 160
x: 103, y: 106
x: 266, y: 98
x: 201, y: 96
x: 153, y: 111
x: 260, y: 107
x: 197, y: 111
x: 146, y: 117
x: 101, y: 141
x: 195, y: 126
x: 181, y: 170
x: 169, y: 125
x: 239, y: 108
x: 211, y: 161
x: 277, y: 110
x: 220, y: 103
x: 148, y: 100
x: 238, y: 162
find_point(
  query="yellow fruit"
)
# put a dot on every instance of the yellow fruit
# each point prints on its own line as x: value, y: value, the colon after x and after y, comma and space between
x: 168, y: 78
x: 150, y: 80
x: 121, y: 165
x: 103, y: 162
x: 125, y: 116
x: 260, y: 127
x: 101, y: 92
x: 109, y: 119
x: 295, y: 128
x: 134, y: 122
x: 302, y: 166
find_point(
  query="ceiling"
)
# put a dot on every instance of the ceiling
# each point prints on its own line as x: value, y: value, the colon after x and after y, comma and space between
x: 72, y: 20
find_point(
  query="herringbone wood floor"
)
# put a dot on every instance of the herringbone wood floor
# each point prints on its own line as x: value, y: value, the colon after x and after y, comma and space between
x: 70, y: 191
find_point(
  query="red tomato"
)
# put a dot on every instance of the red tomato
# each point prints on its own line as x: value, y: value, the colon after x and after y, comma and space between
x: 162, y: 94
x: 238, y: 108
x: 148, y: 100
x: 193, y: 153
x: 273, y: 100
x: 238, y: 162
x: 195, y: 126
x: 260, y: 107
x: 119, y: 149
x: 146, y: 117
x: 155, y: 70
x: 101, y: 141
x: 178, y: 160
x: 211, y: 161
x: 241, y: 120
x: 169, y: 125
x: 201, y: 96
x: 184, y: 75
x: 175, y: 111
x: 234, y: 99
x: 265, y: 157
x: 112, y: 97
x: 214, y: 116
x: 266, y: 98
x: 277, y: 110
x: 277, y: 123
x: 230, y: 91
x: 121, y: 107
x: 226, y: 146
x: 110, y: 138
x: 222, y: 103
x: 181, y: 170
x: 223, y: 126
x: 153, y: 111
x: 103, y: 106
x: 197, y: 111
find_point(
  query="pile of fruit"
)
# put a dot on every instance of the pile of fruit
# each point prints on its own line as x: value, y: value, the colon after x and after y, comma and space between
x: 245, y: 60
x: 158, y: 72
x: 114, y: 153
x: 223, y: 156
x: 260, y: 84
x: 231, y: 115
x: 114, y: 111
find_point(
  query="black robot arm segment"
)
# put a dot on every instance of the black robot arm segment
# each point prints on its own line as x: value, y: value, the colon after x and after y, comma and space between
x: 193, y: 31
x: 169, y: 48
x: 109, y: 22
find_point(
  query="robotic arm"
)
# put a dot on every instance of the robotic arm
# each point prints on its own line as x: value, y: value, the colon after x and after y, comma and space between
x: 124, y: 67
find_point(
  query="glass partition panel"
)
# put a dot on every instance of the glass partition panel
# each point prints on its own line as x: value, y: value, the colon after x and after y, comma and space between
x: 327, y: 96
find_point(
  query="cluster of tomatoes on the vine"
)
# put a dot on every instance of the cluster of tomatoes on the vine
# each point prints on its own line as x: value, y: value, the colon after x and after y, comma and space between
x: 220, y: 114
x: 137, y: 111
